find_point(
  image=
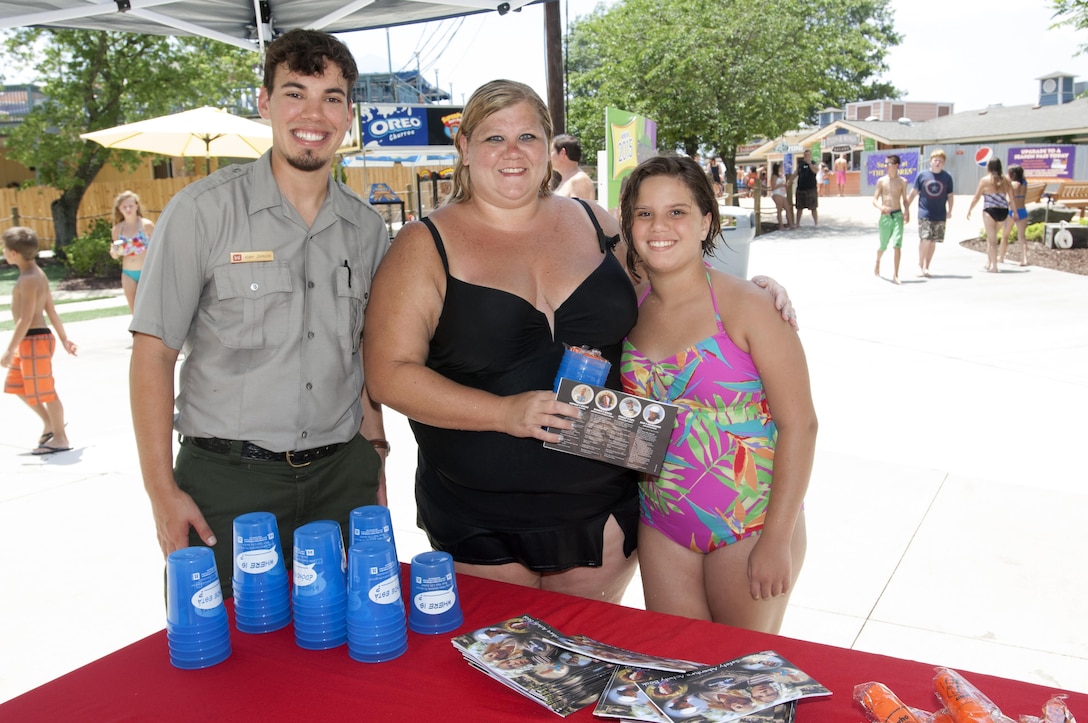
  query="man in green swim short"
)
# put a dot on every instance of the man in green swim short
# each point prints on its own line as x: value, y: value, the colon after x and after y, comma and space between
x: 891, y: 199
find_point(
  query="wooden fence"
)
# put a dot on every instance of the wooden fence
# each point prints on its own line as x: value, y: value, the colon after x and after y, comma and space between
x: 31, y: 206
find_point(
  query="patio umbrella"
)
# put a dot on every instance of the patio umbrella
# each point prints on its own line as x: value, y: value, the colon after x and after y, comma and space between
x: 199, y: 132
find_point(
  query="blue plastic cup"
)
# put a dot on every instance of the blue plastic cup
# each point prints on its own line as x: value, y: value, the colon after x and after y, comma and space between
x: 194, y: 598
x: 372, y: 522
x: 197, y: 629
x: 258, y: 553
x: 262, y: 622
x: 262, y: 596
x: 202, y: 644
x: 319, y: 565
x: 377, y: 629
x: 582, y: 365
x: 383, y: 655
x: 393, y: 626
x: 198, y: 660
x: 433, y: 606
x: 374, y: 584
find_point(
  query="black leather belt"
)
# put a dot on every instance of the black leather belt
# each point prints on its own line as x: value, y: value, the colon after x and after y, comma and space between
x: 250, y: 451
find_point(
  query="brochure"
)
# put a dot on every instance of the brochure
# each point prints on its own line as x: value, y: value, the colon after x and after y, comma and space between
x: 616, y: 427
x: 541, y: 663
x: 754, y: 687
x: 624, y: 699
x: 567, y: 673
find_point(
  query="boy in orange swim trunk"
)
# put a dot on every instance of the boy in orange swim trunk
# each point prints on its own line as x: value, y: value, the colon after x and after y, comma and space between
x: 29, y: 355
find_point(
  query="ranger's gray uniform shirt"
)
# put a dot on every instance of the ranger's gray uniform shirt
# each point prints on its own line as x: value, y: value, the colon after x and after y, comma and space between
x: 267, y: 311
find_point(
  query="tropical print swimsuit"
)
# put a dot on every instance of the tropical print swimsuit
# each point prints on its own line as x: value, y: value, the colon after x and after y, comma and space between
x: 716, y: 480
x: 133, y: 245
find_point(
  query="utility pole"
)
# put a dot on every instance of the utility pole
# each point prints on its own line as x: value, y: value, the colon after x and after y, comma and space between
x: 553, y: 43
x: 392, y: 80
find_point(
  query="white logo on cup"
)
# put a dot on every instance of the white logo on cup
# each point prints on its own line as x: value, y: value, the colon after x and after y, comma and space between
x: 256, y: 562
x: 385, y: 592
x: 435, y: 602
x: 208, y: 597
x: 305, y: 575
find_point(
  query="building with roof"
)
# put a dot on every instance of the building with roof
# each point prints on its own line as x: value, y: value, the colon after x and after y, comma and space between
x: 1058, y: 120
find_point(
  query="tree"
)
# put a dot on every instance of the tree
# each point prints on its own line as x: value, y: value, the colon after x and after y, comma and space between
x: 716, y: 74
x: 97, y: 79
x: 1073, y: 13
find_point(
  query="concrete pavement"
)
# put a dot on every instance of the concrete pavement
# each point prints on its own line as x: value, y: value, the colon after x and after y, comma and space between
x: 945, y: 511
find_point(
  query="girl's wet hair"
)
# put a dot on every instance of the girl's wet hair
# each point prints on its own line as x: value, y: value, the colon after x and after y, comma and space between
x: 689, y: 172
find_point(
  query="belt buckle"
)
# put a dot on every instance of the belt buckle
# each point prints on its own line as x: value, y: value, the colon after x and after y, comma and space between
x: 287, y: 456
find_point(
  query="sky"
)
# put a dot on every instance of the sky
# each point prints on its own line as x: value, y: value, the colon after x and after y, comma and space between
x: 973, y: 53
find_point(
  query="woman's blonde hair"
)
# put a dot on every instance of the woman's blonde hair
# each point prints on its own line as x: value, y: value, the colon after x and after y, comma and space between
x: 487, y: 100
x: 118, y: 217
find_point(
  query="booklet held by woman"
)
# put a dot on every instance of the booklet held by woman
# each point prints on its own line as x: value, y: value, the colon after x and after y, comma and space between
x: 616, y: 427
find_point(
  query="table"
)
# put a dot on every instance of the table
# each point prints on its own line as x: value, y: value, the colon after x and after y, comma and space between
x: 268, y: 677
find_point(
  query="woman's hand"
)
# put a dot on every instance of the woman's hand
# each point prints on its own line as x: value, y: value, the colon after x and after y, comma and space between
x: 537, y: 415
x: 781, y: 298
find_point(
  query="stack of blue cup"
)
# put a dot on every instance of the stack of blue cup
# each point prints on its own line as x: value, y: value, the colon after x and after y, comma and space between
x: 582, y: 365
x: 262, y: 595
x: 319, y: 596
x: 197, y: 630
x: 377, y: 629
x: 372, y: 522
x: 434, y: 606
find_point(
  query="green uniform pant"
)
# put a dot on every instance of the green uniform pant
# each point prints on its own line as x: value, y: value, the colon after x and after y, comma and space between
x: 225, y: 486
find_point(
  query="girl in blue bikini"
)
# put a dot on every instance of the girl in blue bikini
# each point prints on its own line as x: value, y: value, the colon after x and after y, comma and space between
x: 131, y: 233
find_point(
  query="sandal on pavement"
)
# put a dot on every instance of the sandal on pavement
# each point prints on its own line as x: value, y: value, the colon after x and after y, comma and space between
x: 46, y: 449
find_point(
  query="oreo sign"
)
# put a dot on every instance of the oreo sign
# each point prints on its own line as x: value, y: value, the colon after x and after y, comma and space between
x: 385, y: 126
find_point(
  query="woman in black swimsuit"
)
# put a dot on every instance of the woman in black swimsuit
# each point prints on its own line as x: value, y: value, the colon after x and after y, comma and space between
x: 466, y: 326
x: 997, y: 201
x: 472, y: 308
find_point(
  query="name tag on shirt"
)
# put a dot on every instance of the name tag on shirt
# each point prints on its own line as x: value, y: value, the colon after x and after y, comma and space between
x: 247, y: 257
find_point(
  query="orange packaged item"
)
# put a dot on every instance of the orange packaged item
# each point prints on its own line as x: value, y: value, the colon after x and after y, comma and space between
x: 881, y: 705
x: 965, y: 702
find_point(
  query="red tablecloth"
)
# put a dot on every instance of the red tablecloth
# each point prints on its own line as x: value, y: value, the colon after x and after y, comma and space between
x: 268, y: 677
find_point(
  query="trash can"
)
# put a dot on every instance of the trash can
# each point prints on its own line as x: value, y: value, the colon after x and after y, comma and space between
x: 731, y: 246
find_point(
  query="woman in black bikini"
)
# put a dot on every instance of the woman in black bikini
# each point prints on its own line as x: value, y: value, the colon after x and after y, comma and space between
x: 996, y: 192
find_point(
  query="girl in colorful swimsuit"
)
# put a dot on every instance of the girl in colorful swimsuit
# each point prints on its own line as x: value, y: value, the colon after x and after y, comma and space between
x: 1018, y: 217
x: 998, y: 201
x: 722, y: 531
x: 131, y: 232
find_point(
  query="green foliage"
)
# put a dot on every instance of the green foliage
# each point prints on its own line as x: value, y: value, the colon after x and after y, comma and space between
x: 716, y: 74
x: 96, y: 79
x: 89, y: 255
x: 1033, y: 232
x: 1073, y: 13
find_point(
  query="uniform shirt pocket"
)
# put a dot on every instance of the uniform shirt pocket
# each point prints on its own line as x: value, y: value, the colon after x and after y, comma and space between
x: 254, y: 306
x: 352, y: 293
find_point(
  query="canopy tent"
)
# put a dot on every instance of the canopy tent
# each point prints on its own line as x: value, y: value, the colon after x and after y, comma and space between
x: 248, y: 24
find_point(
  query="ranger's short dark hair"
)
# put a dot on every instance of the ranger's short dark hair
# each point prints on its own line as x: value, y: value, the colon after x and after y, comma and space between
x: 308, y: 52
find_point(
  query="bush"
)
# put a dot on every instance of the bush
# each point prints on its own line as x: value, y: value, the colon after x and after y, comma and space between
x: 1034, y: 232
x: 89, y: 255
